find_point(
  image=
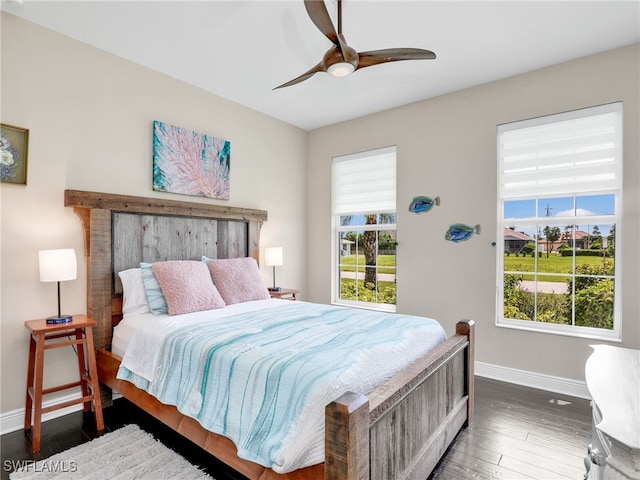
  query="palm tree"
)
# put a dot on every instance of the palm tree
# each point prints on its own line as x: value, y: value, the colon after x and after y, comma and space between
x: 567, y: 236
x: 370, y: 248
x: 552, y: 234
x: 595, y: 238
x: 370, y: 245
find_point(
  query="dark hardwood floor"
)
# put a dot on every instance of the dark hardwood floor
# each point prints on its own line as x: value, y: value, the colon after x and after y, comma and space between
x: 520, y: 433
x: 517, y: 433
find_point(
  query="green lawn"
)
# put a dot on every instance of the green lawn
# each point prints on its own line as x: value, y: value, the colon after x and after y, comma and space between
x: 553, y: 264
x: 386, y: 263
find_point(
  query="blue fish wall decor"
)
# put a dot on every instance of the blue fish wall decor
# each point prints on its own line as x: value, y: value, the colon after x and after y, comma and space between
x: 459, y: 232
x: 423, y: 204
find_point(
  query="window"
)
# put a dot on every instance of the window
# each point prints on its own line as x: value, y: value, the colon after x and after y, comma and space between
x: 364, y: 215
x: 560, y: 187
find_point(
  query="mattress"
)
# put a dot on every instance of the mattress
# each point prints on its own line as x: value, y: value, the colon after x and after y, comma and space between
x: 262, y: 372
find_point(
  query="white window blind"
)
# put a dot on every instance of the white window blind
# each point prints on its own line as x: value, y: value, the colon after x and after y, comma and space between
x: 567, y: 153
x: 365, y: 183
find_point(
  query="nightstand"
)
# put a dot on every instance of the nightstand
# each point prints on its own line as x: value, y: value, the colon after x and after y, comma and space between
x: 284, y: 293
x: 41, y: 335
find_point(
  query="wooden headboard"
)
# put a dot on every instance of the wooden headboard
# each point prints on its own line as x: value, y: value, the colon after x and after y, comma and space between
x: 120, y: 231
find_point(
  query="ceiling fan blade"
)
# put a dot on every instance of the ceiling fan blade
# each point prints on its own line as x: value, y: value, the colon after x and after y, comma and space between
x: 317, y: 11
x: 376, y: 57
x: 306, y: 75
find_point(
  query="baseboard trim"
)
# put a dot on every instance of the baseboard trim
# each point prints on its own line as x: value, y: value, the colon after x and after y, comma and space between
x: 565, y: 386
x: 14, y: 420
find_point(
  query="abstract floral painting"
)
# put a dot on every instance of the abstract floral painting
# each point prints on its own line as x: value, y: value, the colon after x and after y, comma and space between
x: 190, y: 163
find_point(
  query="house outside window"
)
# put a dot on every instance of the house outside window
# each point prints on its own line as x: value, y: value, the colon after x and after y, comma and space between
x: 364, y: 229
x: 560, y: 188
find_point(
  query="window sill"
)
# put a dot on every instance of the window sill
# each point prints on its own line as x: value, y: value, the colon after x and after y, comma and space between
x: 378, y: 307
x: 565, y: 330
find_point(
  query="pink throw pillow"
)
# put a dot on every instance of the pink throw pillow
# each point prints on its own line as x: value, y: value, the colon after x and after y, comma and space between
x: 187, y: 286
x: 238, y: 279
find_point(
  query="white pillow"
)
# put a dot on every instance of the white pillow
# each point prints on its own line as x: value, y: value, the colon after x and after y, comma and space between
x: 155, y: 299
x: 134, y: 297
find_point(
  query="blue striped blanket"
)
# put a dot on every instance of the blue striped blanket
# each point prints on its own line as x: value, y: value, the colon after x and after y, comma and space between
x: 263, y: 378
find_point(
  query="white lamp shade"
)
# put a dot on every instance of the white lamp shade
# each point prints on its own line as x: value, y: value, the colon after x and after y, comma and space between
x: 273, y: 256
x: 57, y: 265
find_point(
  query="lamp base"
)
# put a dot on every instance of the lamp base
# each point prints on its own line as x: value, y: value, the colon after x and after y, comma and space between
x: 274, y: 289
x: 59, y: 319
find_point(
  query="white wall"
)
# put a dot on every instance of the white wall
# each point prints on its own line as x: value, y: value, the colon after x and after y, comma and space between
x: 446, y: 146
x: 90, y: 118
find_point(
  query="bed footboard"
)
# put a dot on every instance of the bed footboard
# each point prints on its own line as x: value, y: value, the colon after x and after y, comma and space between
x: 404, y: 427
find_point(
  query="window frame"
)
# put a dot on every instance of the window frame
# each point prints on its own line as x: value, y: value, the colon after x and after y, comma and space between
x: 337, y: 229
x: 614, y: 334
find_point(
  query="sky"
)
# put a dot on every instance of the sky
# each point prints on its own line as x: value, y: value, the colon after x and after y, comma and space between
x: 563, y: 207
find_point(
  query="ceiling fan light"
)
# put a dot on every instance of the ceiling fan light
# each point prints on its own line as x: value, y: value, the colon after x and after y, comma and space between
x: 340, y: 69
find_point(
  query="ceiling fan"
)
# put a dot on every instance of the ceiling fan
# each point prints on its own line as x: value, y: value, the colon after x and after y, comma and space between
x: 341, y: 60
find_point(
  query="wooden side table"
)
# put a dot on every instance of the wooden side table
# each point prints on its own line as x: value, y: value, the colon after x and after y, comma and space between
x: 41, y: 334
x: 285, y: 293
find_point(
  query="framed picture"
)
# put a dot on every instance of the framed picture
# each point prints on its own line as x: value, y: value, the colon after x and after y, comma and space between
x: 14, y: 149
x: 190, y: 163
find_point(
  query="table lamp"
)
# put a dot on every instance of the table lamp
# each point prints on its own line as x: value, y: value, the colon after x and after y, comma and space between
x: 58, y: 266
x: 273, y: 258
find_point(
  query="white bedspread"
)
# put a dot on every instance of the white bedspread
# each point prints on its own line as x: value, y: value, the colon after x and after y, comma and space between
x: 265, y: 370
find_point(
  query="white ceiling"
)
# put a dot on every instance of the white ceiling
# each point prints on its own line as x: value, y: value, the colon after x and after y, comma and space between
x: 241, y: 50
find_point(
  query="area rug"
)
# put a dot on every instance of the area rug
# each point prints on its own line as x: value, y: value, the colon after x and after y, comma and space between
x: 125, y: 454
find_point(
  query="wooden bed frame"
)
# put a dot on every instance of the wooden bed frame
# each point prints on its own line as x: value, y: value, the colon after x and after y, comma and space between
x: 399, y: 431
